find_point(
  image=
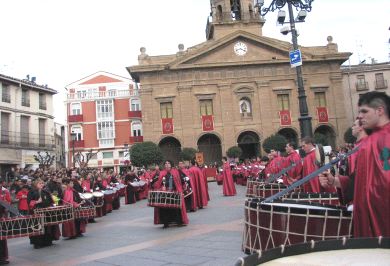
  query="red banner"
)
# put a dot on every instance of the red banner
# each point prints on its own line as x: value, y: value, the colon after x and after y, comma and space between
x: 322, y: 114
x: 167, y: 125
x: 285, y: 118
x: 207, y: 122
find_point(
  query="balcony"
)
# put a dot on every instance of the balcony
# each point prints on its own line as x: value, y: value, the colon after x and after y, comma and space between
x: 11, y: 139
x: 93, y: 95
x: 6, y: 98
x: 135, y: 114
x: 361, y: 86
x: 136, y: 139
x: 75, y: 118
x: 380, y: 84
x: 77, y: 144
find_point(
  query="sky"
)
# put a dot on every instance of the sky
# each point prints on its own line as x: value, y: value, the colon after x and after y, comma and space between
x: 60, y: 42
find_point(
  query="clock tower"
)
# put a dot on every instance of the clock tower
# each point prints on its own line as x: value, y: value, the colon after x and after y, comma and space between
x: 228, y: 16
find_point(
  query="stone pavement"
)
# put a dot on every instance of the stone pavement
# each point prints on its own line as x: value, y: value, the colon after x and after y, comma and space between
x: 128, y: 237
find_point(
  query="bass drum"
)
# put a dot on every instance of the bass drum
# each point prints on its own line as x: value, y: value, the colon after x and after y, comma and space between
x: 354, y: 251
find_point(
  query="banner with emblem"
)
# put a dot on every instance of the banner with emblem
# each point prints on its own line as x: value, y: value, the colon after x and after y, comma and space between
x: 285, y: 118
x: 167, y: 125
x: 322, y: 113
x: 207, y: 123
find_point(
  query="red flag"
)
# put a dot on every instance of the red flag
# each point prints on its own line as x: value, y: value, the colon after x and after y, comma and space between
x: 322, y: 113
x: 207, y: 122
x: 167, y: 125
x: 285, y: 118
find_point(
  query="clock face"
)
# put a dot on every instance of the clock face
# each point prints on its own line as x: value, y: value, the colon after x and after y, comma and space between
x: 240, y: 48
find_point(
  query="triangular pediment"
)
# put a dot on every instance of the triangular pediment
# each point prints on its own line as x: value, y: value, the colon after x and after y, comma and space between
x: 222, y: 52
x: 100, y: 79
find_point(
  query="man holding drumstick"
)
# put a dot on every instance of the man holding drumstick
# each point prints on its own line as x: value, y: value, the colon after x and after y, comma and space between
x: 371, y: 213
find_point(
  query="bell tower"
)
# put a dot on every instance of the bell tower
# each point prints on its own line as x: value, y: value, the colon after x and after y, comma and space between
x: 227, y: 16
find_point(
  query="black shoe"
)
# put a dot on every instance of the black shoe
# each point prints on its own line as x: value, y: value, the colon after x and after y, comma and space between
x: 4, y: 262
x: 70, y: 238
x: 38, y: 246
x: 165, y: 226
x: 80, y: 235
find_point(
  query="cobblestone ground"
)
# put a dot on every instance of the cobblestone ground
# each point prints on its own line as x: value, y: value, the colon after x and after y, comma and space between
x: 128, y: 237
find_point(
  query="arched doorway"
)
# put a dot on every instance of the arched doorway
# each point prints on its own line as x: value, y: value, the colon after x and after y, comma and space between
x: 290, y: 134
x: 249, y: 142
x: 327, y: 134
x: 211, y: 147
x: 170, y: 148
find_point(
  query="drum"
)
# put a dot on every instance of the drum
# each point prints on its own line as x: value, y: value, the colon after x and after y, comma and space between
x: 22, y: 226
x: 287, y: 222
x: 164, y: 199
x: 86, y: 196
x: 250, y: 187
x: 98, y: 198
x: 354, y: 251
x: 56, y: 215
x: 108, y: 199
x: 267, y: 190
x: 324, y: 197
x: 85, y: 212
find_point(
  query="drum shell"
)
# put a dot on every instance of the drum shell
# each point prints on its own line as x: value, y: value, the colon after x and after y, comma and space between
x: 165, y: 199
x: 269, y: 226
x: 31, y: 225
x: 56, y: 215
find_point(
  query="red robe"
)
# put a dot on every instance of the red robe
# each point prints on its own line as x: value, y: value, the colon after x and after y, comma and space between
x: 201, y: 191
x: 69, y: 228
x: 5, y: 196
x: 294, y: 173
x: 179, y: 188
x: 194, y: 203
x: 228, y: 185
x: 371, y: 214
x: 22, y: 197
x: 309, y: 166
x: 86, y: 185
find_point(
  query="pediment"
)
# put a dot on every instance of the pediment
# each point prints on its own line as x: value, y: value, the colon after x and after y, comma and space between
x: 221, y: 52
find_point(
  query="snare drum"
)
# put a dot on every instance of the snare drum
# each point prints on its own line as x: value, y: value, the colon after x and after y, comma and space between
x: 86, y: 196
x: 164, y: 199
x: 287, y: 222
x: 354, y: 251
x: 24, y: 226
x: 56, y: 215
x: 85, y: 212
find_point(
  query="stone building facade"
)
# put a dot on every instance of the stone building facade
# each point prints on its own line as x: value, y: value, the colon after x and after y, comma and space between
x: 237, y: 88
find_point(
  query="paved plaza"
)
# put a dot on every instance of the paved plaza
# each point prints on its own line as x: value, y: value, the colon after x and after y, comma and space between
x: 128, y: 237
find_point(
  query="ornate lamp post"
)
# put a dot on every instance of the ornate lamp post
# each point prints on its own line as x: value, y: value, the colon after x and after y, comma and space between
x: 304, y: 6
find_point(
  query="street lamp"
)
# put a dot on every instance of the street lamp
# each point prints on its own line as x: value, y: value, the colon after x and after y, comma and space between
x: 127, y: 153
x: 73, y: 136
x: 304, y: 6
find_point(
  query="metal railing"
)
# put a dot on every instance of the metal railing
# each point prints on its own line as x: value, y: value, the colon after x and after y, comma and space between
x: 11, y: 139
x: 6, y: 98
x: 85, y: 95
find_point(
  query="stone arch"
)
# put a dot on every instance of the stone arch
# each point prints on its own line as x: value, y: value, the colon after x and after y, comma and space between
x: 249, y: 142
x: 290, y: 134
x: 210, y: 145
x: 170, y: 148
x: 329, y: 134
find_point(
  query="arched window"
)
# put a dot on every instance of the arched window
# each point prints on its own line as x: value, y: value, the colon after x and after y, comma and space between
x: 135, y: 105
x: 77, y: 132
x: 245, y: 107
x: 136, y: 129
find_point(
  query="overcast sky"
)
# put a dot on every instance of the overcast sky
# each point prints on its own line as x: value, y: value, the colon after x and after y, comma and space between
x: 60, y: 41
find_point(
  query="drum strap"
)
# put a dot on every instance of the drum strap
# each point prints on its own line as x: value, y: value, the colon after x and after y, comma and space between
x: 310, y: 176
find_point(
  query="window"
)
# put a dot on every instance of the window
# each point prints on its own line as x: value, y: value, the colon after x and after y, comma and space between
x: 81, y: 94
x: 105, y: 130
x: 380, y: 81
x: 105, y: 110
x: 5, y: 93
x: 136, y: 129
x: 108, y: 155
x: 24, y: 129
x: 76, y: 109
x: 361, y: 83
x: 206, y: 107
x: 121, y: 154
x: 166, y: 110
x: 320, y: 99
x: 245, y: 106
x: 135, y: 105
x: 5, y: 133
x: 283, y: 102
x: 42, y: 101
x: 77, y: 133
x: 25, y: 98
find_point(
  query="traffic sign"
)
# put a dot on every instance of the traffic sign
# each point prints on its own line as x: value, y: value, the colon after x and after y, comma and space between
x: 295, y: 58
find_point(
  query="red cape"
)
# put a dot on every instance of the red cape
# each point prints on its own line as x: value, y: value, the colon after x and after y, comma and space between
x: 201, y: 191
x: 228, y: 185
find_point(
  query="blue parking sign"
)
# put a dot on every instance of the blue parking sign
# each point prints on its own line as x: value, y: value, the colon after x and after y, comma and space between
x: 295, y: 58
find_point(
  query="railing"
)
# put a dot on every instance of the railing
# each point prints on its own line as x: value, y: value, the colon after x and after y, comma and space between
x: 227, y: 16
x: 134, y: 114
x: 136, y: 139
x: 84, y: 95
x: 76, y: 143
x: 361, y: 86
x: 42, y: 105
x: 26, y: 102
x: 6, y: 98
x: 75, y: 118
x: 11, y: 139
x: 380, y: 84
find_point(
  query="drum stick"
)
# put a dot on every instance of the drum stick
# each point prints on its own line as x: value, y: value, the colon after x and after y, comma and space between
x: 283, y: 171
x: 310, y: 176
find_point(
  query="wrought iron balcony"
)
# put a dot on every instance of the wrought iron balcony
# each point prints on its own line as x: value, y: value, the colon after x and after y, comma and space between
x: 135, y: 114
x: 136, y: 139
x: 11, y: 139
x: 77, y: 143
x: 75, y: 118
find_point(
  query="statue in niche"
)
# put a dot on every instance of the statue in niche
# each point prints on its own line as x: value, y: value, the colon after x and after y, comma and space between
x: 244, y: 107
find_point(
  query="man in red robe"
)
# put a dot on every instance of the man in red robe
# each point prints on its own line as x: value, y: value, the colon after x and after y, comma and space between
x: 228, y: 185
x: 371, y: 210
x: 292, y: 157
x: 169, y: 180
x: 4, y: 196
x: 201, y: 192
x: 189, y: 185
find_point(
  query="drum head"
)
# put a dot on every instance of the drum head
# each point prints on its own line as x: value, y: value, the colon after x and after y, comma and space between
x: 98, y: 194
